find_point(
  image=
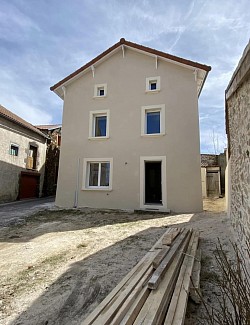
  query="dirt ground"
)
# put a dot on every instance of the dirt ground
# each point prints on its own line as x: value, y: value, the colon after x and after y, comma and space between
x: 58, y: 265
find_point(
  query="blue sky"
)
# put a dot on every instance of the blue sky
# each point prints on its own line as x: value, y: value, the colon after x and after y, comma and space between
x: 42, y: 41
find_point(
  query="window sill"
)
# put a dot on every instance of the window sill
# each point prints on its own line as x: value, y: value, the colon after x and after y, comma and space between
x: 97, y: 97
x: 107, y: 189
x: 98, y: 138
x: 154, y: 135
x: 152, y: 91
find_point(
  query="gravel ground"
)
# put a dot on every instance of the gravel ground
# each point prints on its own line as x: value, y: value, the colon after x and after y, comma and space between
x: 59, y: 264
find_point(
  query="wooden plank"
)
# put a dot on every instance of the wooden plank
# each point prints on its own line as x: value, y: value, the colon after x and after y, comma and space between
x: 130, y: 299
x: 160, y: 256
x: 171, y: 310
x: 169, y: 238
x: 136, y: 307
x: 177, y: 308
x: 195, y: 292
x: 112, y: 296
x: 162, y: 268
x: 157, y: 302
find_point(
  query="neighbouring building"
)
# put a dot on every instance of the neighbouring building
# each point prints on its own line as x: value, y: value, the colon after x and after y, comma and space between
x: 238, y: 134
x: 130, y: 135
x: 213, y: 174
x: 22, y: 158
x: 52, y: 157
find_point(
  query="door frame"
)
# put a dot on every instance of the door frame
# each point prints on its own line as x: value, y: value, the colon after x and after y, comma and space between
x: 160, y: 207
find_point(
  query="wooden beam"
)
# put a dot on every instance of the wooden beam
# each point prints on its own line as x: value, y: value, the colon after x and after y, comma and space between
x: 195, y: 291
x: 157, y: 302
x: 166, y: 262
x: 177, y: 309
x: 130, y: 298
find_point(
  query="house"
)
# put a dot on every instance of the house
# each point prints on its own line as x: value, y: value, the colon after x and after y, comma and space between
x: 238, y: 135
x: 22, y: 158
x: 52, y: 157
x: 213, y: 174
x: 130, y: 136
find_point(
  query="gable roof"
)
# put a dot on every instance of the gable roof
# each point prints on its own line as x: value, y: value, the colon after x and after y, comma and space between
x: 4, y: 112
x: 48, y: 126
x: 124, y: 43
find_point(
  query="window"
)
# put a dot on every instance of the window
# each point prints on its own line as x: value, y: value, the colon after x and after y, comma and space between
x: 32, y: 158
x: 100, y: 90
x: 153, y: 84
x: 14, y: 150
x: 153, y: 120
x: 97, y: 174
x: 99, y: 124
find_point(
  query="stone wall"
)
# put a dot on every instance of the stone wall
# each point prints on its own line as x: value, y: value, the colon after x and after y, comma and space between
x: 10, y: 165
x: 238, y: 131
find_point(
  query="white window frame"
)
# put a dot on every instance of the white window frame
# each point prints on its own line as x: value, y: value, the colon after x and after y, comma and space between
x: 96, y: 90
x: 15, y: 145
x: 148, y: 109
x: 149, y: 80
x: 143, y: 205
x: 86, y: 171
x: 92, y: 115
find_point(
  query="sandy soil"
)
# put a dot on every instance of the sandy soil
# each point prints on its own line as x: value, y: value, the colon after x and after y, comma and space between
x: 58, y: 265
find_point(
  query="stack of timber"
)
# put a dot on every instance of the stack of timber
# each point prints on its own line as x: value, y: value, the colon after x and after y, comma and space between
x: 156, y: 290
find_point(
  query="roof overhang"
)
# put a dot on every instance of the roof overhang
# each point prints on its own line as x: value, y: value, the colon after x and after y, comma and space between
x: 200, y: 70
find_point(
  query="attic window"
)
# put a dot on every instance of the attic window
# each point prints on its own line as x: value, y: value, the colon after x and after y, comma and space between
x: 153, y: 84
x: 100, y: 91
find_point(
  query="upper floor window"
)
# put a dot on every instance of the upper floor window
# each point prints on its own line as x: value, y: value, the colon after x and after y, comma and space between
x: 32, y: 158
x: 153, y: 84
x: 100, y: 91
x: 99, y: 124
x: 14, y: 149
x: 153, y: 120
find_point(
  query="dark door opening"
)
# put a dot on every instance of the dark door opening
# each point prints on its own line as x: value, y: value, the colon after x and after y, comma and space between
x: 153, y: 191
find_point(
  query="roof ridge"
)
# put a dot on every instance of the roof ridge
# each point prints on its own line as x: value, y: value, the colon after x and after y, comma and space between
x: 18, y: 120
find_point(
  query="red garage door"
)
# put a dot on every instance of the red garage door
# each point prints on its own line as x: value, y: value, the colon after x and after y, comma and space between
x: 29, y: 185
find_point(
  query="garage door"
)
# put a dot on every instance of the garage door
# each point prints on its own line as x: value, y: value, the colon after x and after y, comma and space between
x: 29, y: 185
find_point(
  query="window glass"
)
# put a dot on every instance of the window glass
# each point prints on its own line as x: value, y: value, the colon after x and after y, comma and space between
x: 153, y: 122
x: 101, y: 92
x: 153, y: 85
x: 105, y: 168
x: 14, y: 150
x: 93, y: 174
x: 100, y: 126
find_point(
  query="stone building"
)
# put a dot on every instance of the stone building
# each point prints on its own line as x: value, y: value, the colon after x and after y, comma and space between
x: 238, y: 134
x: 52, y: 157
x: 22, y: 158
x: 213, y: 174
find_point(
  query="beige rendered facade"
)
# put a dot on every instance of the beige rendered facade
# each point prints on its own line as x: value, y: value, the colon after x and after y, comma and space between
x: 148, y: 156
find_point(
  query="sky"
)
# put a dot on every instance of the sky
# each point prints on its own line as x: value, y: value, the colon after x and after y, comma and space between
x: 42, y: 41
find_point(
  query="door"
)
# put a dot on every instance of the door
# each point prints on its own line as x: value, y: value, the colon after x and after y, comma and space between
x: 213, y: 184
x: 29, y: 185
x: 153, y: 181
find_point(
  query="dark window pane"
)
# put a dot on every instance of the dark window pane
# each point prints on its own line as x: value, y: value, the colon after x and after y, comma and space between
x: 152, y: 85
x: 100, y: 126
x: 153, y: 122
x: 101, y: 92
x: 93, y: 174
x: 105, y: 168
